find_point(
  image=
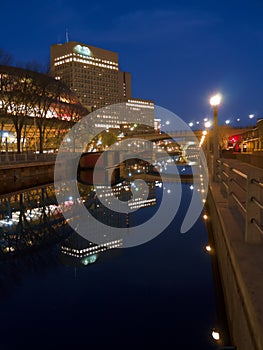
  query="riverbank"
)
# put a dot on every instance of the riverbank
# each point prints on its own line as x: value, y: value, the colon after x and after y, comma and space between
x: 16, y: 177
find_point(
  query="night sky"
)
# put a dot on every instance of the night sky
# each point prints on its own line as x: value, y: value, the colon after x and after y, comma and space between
x: 179, y: 52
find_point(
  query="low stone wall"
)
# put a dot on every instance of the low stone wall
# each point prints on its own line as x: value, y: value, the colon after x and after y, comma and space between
x: 20, y: 176
x: 255, y: 158
x: 240, y: 266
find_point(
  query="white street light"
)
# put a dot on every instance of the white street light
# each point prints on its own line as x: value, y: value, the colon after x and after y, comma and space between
x: 215, y: 334
x: 227, y: 121
x: 191, y: 124
x: 208, y: 124
x: 251, y: 116
x: 215, y: 100
x: 208, y: 248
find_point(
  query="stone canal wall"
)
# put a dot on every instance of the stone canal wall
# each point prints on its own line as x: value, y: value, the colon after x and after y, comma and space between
x: 241, y: 270
x: 15, y: 177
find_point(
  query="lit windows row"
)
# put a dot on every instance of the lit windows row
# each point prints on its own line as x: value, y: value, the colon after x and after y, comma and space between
x: 141, y: 102
x: 136, y: 204
x: 87, y: 61
x: 140, y: 106
x: 113, y: 244
x: 115, y: 126
x: 91, y: 58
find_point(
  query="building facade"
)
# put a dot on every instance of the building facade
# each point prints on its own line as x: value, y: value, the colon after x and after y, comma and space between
x: 92, y: 73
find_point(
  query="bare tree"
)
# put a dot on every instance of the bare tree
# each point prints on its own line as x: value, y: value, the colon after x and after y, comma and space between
x: 25, y: 93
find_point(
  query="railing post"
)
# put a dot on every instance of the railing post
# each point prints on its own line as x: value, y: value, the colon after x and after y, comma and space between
x: 252, y: 235
x: 220, y: 167
x: 230, y: 183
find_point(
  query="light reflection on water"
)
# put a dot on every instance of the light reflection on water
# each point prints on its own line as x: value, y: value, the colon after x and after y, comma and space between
x: 74, y: 293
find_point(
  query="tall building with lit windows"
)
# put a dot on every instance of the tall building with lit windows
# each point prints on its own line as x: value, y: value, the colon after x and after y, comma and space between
x: 92, y: 73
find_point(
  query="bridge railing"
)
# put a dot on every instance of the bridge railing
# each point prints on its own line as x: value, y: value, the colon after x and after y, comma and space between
x: 11, y: 158
x: 243, y: 187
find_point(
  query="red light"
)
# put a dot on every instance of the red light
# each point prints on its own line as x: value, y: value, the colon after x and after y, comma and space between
x: 234, y: 138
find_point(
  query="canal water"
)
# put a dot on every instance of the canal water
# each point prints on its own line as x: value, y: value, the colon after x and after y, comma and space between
x: 156, y: 295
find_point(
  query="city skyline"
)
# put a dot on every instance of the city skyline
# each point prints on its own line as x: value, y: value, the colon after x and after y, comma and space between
x: 178, y: 55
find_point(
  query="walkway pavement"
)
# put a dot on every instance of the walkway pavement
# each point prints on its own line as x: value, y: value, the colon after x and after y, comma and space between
x: 246, y: 260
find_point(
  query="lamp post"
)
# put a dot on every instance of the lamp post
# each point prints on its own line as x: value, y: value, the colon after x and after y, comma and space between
x: 215, y: 102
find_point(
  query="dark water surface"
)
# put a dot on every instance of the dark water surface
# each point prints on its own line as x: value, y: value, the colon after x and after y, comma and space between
x: 156, y: 295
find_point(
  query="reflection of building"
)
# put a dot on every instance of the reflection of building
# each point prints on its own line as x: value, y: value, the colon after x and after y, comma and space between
x: 125, y: 191
x: 77, y: 250
x: 30, y: 219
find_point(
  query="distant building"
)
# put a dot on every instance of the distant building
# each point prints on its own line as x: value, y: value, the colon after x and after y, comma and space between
x: 93, y: 74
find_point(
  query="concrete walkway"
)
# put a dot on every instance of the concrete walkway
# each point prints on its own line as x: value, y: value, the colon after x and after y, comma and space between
x: 241, y: 268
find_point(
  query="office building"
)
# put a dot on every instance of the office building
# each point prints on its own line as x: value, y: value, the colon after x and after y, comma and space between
x: 93, y: 74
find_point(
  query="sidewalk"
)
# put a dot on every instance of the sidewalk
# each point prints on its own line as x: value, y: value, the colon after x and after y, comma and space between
x: 241, y: 267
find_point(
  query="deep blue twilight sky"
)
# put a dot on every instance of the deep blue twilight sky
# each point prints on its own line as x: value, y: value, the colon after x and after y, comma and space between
x: 179, y: 52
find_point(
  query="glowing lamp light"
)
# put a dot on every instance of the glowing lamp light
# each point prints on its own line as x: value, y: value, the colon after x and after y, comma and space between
x: 167, y: 122
x: 205, y: 217
x: 251, y: 116
x: 215, y: 334
x: 191, y: 124
x: 204, y: 132
x: 208, y: 248
x: 227, y: 121
x: 215, y: 100
x: 208, y: 124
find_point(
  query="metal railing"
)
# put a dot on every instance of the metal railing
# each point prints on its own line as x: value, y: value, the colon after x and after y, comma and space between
x: 16, y: 158
x: 243, y: 188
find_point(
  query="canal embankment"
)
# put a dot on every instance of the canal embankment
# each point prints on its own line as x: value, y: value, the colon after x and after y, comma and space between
x: 239, y: 249
x: 15, y: 177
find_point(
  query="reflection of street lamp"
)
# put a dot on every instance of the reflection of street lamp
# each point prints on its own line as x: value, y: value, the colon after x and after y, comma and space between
x: 215, y: 102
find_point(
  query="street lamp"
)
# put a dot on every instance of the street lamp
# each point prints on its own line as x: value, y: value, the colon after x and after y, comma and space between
x: 215, y: 102
x: 208, y: 124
